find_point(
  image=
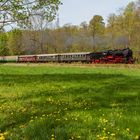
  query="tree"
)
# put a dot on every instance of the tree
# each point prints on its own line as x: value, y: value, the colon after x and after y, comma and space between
x: 84, y: 25
x: 14, y: 43
x: 111, y: 29
x: 3, y: 43
x: 129, y: 20
x: 19, y: 12
x: 96, y: 27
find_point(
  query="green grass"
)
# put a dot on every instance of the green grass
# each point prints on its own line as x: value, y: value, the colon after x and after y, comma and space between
x: 63, y: 102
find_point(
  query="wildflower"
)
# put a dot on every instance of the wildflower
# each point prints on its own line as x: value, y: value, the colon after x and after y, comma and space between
x: 6, y: 133
x: 98, y: 136
x: 66, y: 119
x: 57, y: 119
x: 112, y: 134
x: 31, y: 120
x: 105, y: 121
x: 2, y: 136
x: 78, y: 137
x: 128, y: 129
x: 137, y: 137
x: 52, y: 135
x: 72, y: 137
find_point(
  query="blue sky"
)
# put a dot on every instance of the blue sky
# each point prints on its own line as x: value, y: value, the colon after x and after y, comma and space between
x: 77, y: 11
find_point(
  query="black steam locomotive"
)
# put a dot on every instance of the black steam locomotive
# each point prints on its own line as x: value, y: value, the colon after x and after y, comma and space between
x: 113, y: 56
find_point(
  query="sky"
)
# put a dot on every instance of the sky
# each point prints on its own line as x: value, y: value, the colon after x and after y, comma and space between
x: 77, y: 11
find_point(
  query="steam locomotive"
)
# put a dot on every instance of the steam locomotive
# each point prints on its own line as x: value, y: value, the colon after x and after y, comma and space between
x: 108, y: 56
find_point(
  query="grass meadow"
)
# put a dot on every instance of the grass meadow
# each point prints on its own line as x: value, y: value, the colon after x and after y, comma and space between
x: 69, y: 102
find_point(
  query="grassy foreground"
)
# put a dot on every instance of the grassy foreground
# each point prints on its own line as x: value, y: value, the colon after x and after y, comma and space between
x: 54, y: 102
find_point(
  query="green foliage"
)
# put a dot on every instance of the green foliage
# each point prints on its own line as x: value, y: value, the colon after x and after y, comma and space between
x: 97, y: 28
x: 97, y: 25
x: 69, y: 102
x: 3, y: 43
x: 14, y: 42
x: 20, y: 11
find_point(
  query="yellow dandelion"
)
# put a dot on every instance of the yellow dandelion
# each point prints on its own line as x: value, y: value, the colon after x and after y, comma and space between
x: 78, y: 137
x: 52, y: 135
x: 66, y: 119
x: 31, y: 120
x: 112, y: 134
x: 2, y: 136
x: 137, y: 137
x: 104, y: 128
x: 75, y: 119
x: 127, y: 129
x: 98, y: 136
x: 105, y: 121
x: 72, y: 137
